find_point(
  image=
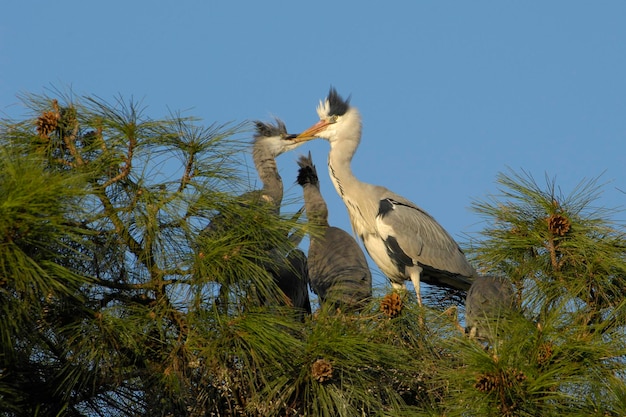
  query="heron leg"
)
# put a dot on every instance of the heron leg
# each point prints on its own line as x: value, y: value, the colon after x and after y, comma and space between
x: 414, y: 273
x: 472, y: 332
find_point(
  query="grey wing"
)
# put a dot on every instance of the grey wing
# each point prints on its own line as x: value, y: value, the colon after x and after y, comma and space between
x: 338, y: 268
x: 488, y: 295
x: 292, y: 277
x: 420, y: 237
x: 488, y: 299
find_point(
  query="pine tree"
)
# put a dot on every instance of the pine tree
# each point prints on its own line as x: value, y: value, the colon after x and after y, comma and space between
x: 108, y: 282
x: 563, y: 354
x: 134, y: 282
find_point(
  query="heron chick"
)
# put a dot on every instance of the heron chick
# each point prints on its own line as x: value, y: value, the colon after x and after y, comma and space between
x: 288, y: 268
x: 268, y: 143
x: 489, y: 300
x: 403, y: 240
x: 338, y: 270
x: 290, y: 272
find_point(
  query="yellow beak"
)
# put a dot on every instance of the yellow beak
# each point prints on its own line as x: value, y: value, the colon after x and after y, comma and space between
x: 311, y: 133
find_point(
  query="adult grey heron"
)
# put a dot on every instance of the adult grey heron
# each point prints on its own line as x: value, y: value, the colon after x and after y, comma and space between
x: 338, y: 269
x: 489, y: 299
x: 402, y: 239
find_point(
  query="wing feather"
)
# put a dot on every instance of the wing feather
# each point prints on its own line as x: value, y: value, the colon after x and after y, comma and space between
x: 338, y: 268
x: 420, y: 236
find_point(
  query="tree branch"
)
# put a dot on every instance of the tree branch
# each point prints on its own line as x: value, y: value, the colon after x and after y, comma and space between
x: 128, y: 162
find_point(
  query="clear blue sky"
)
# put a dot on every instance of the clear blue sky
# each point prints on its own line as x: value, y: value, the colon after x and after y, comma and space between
x: 451, y: 93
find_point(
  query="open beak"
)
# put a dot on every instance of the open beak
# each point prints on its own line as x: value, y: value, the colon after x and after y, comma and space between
x: 311, y: 133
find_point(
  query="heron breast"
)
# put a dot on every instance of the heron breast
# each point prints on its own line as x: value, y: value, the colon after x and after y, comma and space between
x: 378, y: 251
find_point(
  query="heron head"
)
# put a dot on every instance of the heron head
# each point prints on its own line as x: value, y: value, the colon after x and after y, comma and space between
x: 338, y: 120
x: 271, y: 137
x: 307, y: 174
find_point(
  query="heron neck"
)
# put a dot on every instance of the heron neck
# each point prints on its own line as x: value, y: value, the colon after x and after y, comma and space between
x: 315, y: 206
x: 268, y: 172
x: 339, y: 167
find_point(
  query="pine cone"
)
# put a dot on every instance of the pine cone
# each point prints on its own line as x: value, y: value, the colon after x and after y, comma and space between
x: 544, y: 354
x: 489, y: 382
x: 508, y: 410
x: 558, y: 224
x: 47, y: 123
x: 486, y: 382
x: 322, y: 370
x: 391, y: 305
x: 513, y: 376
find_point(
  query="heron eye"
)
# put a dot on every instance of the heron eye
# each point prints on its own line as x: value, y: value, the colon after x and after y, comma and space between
x: 333, y: 118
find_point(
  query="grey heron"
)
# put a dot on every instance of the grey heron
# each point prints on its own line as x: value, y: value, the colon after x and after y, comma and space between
x: 403, y: 240
x: 489, y: 299
x: 289, y: 270
x: 338, y: 270
x: 268, y: 143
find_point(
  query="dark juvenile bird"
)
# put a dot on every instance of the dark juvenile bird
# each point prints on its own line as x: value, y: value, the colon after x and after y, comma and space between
x: 268, y: 143
x: 289, y: 270
x: 489, y: 300
x: 403, y: 240
x: 338, y: 269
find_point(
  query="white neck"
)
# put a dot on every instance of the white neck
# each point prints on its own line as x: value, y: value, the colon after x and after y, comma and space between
x: 353, y: 192
x: 339, y: 169
x: 344, y: 141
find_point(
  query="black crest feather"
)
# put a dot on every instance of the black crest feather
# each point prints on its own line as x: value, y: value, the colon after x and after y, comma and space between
x: 307, y: 174
x: 268, y: 130
x: 337, y: 105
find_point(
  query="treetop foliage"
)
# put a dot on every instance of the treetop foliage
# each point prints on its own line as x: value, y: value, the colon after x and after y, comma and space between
x: 135, y: 280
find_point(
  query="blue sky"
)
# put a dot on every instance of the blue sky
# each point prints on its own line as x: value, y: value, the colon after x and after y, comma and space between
x: 451, y: 93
